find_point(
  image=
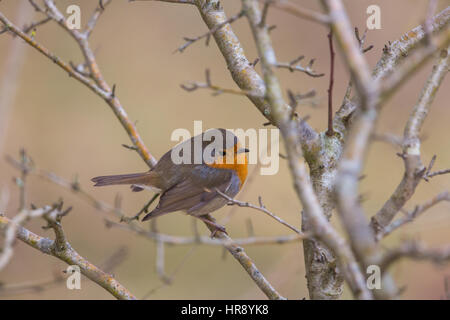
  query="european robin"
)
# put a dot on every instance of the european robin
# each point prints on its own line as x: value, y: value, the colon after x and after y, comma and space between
x: 217, y: 161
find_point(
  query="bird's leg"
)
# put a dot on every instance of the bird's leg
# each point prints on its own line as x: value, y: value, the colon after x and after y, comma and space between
x: 217, y: 227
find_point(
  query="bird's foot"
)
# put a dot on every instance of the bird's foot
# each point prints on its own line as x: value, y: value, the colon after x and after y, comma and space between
x: 217, y: 227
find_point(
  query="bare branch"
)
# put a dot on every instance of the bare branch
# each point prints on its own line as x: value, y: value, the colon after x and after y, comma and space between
x: 73, y: 186
x: 217, y: 90
x: 300, y: 12
x: 204, y: 240
x: 38, y: 286
x: 172, y: 274
x: 293, y: 66
x: 393, y: 55
x: 95, y: 16
x: 321, y: 227
x: 330, y: 131
x: 101, y: 90
x: 32, y: 286
x: 160, y: 262
x: 417, y: 251
x: 390, y: 138
x: 62, y: 250
x: 261, y: 208
x: 36, y: 7
x: 11, y: 229
x: 398, y: 50
x: 242, y: 71
x: 239, y: 254
x: 208, y: 34
x: 227, y: 242
x: 411, y: 215
x: 437, y: 173
x: 391, y: 83
x: 414, y: 168
x: 34, y: 25
x: 350, y: 166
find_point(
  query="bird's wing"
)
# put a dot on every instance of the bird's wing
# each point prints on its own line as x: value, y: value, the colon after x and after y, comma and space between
x: 193, y: 193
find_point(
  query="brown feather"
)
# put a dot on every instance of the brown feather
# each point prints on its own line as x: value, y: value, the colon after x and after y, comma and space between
x: 145, y: 178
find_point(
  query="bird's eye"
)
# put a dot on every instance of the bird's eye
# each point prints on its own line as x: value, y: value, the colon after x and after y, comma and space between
x: 223, y: 153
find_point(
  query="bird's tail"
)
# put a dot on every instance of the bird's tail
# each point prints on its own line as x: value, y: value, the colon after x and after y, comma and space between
x: 144, y: 178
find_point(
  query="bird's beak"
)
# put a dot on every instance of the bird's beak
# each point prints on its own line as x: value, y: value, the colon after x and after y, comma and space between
x: 243, y: 150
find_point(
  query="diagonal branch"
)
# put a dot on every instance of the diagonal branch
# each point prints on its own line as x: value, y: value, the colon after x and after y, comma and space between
x: 303, y: 187
x: 351, y: 164
x: 260, y: 208
x: 300, y: 12
x: 95, y: 16
x: 410, y: 216
x: 393, y: 55
x: 414, y: 168
x: 294, y: 66
x: 208, y: 34
x: 239, y: 254
x: 243, y: 71
x: 104, y: 92
x: 108, y: 94
x: 62, y: 250
x: 417, y: 251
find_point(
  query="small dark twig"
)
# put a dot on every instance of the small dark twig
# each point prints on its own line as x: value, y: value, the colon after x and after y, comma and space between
x: 129, y: 147
x: 362, y: 40
x: 253, y: 64
x: 330, y: 131
x: 428, y: 174
x: 36, y: 7
x: 34, y: 25
x: 208, y: 34
x: 294, y: 66
x: 113, y: 91
x: 267, y: 3
x: 192, y: 86
x: 143, y: 210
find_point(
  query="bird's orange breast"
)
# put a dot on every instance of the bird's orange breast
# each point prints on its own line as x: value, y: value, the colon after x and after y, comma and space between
x: 241, y: 169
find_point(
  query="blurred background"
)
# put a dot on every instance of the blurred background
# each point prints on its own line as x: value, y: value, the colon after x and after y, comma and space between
x: 70, y: 131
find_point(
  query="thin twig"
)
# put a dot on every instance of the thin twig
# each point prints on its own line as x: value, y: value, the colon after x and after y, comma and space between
x: 330, y: 131
x: 260, y: 208
x: 300, y: 12
x: 350, y: 211
x: 291, y: 137
x: 193, y: 86
x: 414, y: 168
x: 417, y: 251
x: 99, y: 87
x: 293, y: 66
x: 36, y: 24
x: 208, y: 34
x: 204, y: 240
x: 95, y: 16
x: 412, y: 215
x: 62, y: 250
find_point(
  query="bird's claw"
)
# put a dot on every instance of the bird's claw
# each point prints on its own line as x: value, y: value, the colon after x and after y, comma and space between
x: 217, y: 229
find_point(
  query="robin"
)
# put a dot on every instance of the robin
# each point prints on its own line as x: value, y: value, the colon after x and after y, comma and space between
x: 190, y: 175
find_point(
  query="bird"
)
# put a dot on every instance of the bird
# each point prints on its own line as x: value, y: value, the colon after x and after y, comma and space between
x: 195, y: 184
